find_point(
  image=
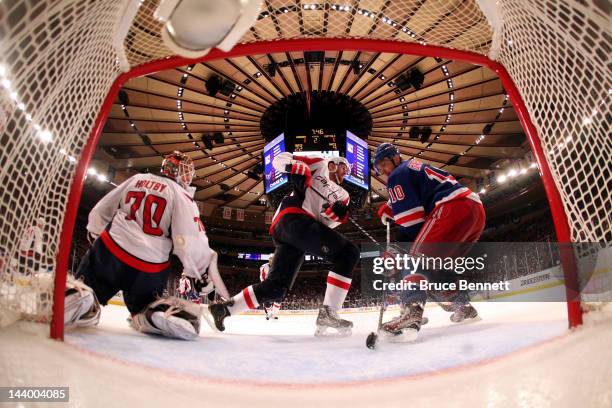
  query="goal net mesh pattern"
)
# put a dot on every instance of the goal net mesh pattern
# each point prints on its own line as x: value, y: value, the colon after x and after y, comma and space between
x: 59, y: 58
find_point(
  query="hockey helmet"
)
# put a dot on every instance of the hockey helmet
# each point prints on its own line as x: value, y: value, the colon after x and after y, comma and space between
x: 384, y: 151
x: 179, y: 167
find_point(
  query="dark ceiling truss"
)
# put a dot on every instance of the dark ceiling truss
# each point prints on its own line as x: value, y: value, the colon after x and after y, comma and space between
x: 369, y: 104
x: 257, y: 146
x: 294, y: 71
x: 377, y: 75
x: 249, y: 191
x: 176, y: 142
x: 456, y: 101
x: 366, y: 69
x: 264, y: 72
x: 332, y: 77
x: 218, y: 96
x: 238, y: 168
x: 185, y: 100
x: 238, y: 83
x: 389, y: 81
x: 189, y: 111
x: 519, y: 137
x: 188, y: 122
x: 348, y: 71
x: 217, y: 183
x: 432, y: 149
x: 379, y: 122
x: 447, y: 124
x: 243, y: 72
x: 439, y: 164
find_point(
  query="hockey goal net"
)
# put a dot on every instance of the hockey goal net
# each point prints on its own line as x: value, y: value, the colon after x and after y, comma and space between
x: 62, y: 63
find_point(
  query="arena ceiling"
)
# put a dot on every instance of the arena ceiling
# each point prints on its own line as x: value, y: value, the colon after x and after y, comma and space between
x: 170, y: 110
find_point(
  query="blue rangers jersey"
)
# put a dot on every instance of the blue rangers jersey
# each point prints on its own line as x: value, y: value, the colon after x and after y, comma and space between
x: 416, y: 189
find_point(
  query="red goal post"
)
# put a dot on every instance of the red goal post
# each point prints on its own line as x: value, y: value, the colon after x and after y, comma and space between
x: 324, y: 44
x: 62, y: 63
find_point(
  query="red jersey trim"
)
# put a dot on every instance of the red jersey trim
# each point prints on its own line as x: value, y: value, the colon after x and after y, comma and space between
x: 129, y: 259
x: 307, y: 160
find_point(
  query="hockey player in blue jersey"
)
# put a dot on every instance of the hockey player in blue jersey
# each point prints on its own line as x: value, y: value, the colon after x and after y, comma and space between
x: 430, y: 206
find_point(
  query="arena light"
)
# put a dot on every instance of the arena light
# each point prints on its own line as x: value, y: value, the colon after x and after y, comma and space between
x: 512, y: 173
x: 501, y: 179
x: 91, y: 171
x: 482, y: 191
x: 45, y: 136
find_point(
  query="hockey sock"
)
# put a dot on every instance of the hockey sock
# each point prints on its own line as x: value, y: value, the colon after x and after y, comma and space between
x: 337, y: 288
x: 275, y: 308
x: 244, y: 300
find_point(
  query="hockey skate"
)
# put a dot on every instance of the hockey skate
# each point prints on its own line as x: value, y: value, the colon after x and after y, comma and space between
x: 329, y: 319
x: 215, y: 313
x: 405, y: 327
x: 463, y: 313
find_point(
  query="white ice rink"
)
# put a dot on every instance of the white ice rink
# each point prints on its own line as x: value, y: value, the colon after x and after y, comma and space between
x: 519, y: 354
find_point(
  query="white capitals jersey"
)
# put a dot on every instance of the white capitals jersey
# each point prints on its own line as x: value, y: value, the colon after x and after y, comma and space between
x: 322, y: 191
x: 148, y: 216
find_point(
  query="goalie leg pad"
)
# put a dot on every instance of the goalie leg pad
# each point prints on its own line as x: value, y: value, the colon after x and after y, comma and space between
x: 81, y: 306
x: 170, y: 317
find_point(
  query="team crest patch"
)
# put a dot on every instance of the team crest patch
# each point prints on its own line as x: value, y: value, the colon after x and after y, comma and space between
x: 415, y: 164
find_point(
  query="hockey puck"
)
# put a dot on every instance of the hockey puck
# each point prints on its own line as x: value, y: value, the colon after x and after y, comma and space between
x: 371, y: 340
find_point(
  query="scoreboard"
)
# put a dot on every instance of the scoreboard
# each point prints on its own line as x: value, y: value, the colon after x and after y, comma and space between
x: 318, y: 140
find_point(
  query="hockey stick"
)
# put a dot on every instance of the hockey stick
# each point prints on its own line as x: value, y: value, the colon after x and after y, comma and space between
x: 373, y: 336
x: 355, y: 223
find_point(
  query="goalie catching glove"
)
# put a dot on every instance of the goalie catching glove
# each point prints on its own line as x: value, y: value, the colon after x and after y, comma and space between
x: 170, y: 317
x: 337, y: 212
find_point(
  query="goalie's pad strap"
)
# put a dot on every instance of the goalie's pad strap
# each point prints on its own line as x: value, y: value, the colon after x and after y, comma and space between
x: 81, y: 307
x: 172, y: 309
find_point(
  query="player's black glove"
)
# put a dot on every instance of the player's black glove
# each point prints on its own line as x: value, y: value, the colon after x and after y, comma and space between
x: 337, y: 212
x: 299, y: 176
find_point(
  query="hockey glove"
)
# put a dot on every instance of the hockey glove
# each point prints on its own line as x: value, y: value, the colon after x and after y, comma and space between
x: 91, y: 237
x: 337, y: 212
x: 299, y: 175
x: 385, y: 213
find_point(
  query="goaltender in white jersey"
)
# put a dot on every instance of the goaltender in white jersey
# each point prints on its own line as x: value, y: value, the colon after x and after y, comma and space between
x: 135, y: 219
x: 139, y: 224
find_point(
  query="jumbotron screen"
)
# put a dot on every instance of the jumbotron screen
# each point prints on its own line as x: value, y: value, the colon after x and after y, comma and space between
x: 272, y: 178
x: 357, y: 156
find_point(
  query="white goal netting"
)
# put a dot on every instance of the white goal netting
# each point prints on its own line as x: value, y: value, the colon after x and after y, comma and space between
x: 59, y: 58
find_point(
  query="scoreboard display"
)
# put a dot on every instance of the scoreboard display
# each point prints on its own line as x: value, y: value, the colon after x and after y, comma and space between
x: 319, y: 140
x: 357, y: 156
x: 273, y: 179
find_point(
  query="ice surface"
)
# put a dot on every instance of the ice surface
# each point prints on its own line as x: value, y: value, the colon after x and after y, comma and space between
x: 462, y: 365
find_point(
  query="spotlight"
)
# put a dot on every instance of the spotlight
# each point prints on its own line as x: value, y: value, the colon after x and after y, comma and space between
x: 207, y: 142
x: 213, y: 85
x: 416, y: 78
x: 218, y: 137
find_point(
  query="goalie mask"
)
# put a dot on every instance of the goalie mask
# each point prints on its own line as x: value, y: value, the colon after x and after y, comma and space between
x: 179, y: 167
